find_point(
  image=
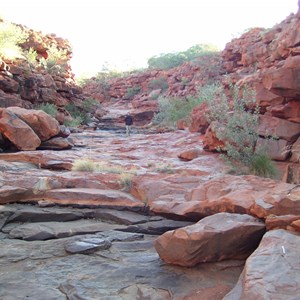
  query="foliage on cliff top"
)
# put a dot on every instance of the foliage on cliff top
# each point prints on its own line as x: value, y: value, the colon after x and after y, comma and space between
x: 172, y: 60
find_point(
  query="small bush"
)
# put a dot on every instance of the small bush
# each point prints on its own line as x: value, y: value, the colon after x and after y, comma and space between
x: 56, y: 62
x: 164, y: 168
x: 262, y: 165
x: 236, y: 124
x: 126, y: 181
x: 11, y: 36
x: 173, y: 109
x: 31, y: 57
x: 78, y: 115
x: 48, y: 108
x: 84, y: 165
x: 158, y: 83
x: 132, y: 91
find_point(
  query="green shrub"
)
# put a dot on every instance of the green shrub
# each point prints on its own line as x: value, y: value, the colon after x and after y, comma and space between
x: 158, y: 83
x: 236, y: 124
x: 31, y: 57
x: 132, y: 91
x: 78, y: 114
x: 262, y: 165
x: 126, y: 181
x: 173, y: 109
x: 75, y: 122
x: 56, y: 61
x: 172, y: 60
x: 48, y: 108
x: 84, y: 165
x: 164, y: 168
x: 11, y: 36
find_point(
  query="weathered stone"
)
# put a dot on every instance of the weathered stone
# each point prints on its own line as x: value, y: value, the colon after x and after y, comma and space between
x: 43, y: 124
x: 279, y: 128
x: 157, y: 227
x: 188, y: 155
x: 275, y: 149
x: 56, y: 143
x: 93, y: 197
x: 87, y: 246
x: 10, y: 194
x: 280, y: 222
x: 272, y: 271
x: 131, y: 266
x: 292, y: 173
x: 219, y: 237
x: 55, y: 230
x: 236, y: 194
x: 17, y: 131
x: 295, y: 150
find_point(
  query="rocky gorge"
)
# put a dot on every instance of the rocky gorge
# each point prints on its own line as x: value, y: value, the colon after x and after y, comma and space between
x: 160, y: 217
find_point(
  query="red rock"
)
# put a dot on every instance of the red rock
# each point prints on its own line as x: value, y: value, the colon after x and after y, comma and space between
x: 43, y: 124
x: 292, y: 173
x: 280, y: 222
x: 211, y: 142
x: 215, y: 238
x: 235, y: 194
x: 275, y: 149
x: 199, y: 121
x: 284, y: 81
x: 295, y: 225
x: 17, y: 131
x: 8, y: 85
x: 279, y: 128
x: 289, y: 111
x: 272, y: 271
x: 56, y: 143
x: 188, y: 155
x: 295, y: 150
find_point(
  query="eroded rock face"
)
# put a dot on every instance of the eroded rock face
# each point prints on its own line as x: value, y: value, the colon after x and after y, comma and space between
x: 219, y: 237
x: 272, y: 271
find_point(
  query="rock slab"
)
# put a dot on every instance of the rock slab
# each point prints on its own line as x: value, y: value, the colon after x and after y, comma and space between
x: 272, y: 271
x: 215, y: 238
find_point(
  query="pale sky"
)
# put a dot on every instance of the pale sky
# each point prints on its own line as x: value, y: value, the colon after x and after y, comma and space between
x: 126, y: 33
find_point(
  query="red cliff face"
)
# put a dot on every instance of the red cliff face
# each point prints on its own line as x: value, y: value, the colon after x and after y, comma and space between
x: 23, y: 85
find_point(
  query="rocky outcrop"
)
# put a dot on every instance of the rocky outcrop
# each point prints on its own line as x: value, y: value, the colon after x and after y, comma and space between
x: 24, y: 129
x: 26, y: 84
x: 219, y: 237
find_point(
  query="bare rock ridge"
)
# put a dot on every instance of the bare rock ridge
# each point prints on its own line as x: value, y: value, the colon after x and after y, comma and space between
x: 160, y: 217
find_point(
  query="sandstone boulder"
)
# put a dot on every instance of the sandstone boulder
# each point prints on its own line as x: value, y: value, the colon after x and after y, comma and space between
x: 17, y: 131
x: 43, y: 124
x: 189, y: 155
x: 215, y: 238
x: 272, y: 271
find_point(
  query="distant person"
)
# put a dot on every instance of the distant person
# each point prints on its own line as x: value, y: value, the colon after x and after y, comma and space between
x: 128, y: 123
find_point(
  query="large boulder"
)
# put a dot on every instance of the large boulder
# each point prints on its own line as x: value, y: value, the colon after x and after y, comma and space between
x: 43, y: 124
x: 215, y: 238
x: 272, y: 271
x: 284, y: 81
x: 17, y: 131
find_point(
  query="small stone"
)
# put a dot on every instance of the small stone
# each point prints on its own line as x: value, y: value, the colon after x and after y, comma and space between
x: 87, y: 246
